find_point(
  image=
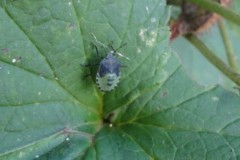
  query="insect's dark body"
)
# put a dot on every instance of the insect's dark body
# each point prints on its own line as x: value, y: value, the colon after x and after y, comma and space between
x: 108, y: 74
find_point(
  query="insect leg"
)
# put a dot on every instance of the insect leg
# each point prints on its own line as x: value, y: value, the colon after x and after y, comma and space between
x: 123, y: 65
x: 89, y: 65
x: 118, y: 53
x: 115, y: 50
x: 86, y: 76
x: 97, y: 51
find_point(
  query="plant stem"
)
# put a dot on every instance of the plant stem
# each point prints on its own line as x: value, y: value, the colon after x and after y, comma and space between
x: 227, y: 44
x: 207, y: 53
x: 216, y: 7
x: 174, y: 2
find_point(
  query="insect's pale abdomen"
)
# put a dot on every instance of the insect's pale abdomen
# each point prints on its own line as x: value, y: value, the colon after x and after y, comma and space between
x: 108, y: 74
x: 107, y: 82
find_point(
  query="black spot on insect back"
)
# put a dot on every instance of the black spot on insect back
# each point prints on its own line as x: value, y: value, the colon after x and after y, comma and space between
x: 109, y: 64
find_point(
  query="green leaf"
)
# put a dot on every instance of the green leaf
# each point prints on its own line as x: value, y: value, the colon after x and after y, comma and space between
x: 50, y: 110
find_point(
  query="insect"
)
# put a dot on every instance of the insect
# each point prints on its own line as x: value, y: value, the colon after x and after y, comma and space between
x: 108, y: 74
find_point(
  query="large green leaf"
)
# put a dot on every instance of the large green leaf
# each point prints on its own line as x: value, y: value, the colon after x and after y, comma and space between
x: 49, y: 110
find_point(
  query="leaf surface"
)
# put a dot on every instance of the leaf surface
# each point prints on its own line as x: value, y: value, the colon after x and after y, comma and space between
x: 49, y: 109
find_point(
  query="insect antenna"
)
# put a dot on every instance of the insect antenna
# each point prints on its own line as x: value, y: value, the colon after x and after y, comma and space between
x: 121, y: 55
x: 118, y: 53
x: 97, y: 51
x: 115, y: 50
x: 110, y: 47
x: 100, y: 43
x: 124, y: 44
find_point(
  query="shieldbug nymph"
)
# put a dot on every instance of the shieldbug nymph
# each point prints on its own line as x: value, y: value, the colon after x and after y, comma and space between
x: 108, y: 74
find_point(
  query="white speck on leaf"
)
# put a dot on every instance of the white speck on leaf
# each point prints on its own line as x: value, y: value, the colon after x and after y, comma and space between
x: 165, y: 57
x: 67, y: 139
x: 139, y: 50
x: 215, y: 99
x: 20, y: 155
x: 37, y: 156
x: 41, y: 76
x: 154, y: 34
x: 149, y: 37
x: 71, y: 27
x: 39, y: 93
x: 17, y: 59
x: 69, y: 3
x: 142, y: 34
x: 153, y: 20
x: 147, y: 9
